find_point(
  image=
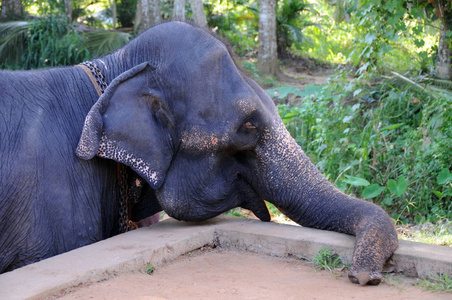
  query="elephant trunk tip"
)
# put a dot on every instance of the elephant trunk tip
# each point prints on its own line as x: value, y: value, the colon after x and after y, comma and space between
x: 364, y: 278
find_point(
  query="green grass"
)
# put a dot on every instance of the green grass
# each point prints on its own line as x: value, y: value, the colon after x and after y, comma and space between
x: 436, y: 234
x: 327, y: 260
x: 434, y: 239
x: 149, y: 269
x: 439, y: 283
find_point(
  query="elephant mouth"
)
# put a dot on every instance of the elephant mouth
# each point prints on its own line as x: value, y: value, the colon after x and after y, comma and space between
x: 206, y: 201
x: 197, y: 214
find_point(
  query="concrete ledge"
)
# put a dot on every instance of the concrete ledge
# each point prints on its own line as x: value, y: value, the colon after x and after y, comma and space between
x: 167, y: 240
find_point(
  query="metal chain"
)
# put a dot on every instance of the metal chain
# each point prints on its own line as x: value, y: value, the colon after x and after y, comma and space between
x: 98, y: 76
x: 125, y: 224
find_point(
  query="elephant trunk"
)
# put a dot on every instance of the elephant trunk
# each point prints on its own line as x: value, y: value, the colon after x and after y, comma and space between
x: 294, y: 185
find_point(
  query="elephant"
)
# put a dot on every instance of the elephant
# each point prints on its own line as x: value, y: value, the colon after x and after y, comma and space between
x: 194, y: 135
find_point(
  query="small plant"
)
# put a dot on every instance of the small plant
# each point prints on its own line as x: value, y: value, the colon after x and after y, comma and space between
x: 326, y: 260
x: 439, y: 283
x: 149, y: 269
x: 251, y: 68
x: 236, y: 212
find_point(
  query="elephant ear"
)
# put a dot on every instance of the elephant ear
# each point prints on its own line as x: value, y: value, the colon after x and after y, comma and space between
x: 131, y: 124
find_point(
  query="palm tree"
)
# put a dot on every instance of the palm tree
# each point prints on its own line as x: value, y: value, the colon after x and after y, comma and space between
x: 12, y: 10
x: 179, y: 10
x: 147, y: 15
x: 289, y: 25
x: 12, y: 40
x: 443, y: 9
x: 199, y: 14
x: 267, y: 56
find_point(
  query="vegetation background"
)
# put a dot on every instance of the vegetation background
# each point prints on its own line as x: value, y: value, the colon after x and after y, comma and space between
x: 380, y: 127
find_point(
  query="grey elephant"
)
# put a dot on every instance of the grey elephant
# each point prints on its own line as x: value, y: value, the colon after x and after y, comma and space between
x: 192, y: 134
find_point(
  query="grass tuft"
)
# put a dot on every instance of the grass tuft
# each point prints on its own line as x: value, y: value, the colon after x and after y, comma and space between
x: 327, y: 260
x: 149, y: 269
x: 439, y: 283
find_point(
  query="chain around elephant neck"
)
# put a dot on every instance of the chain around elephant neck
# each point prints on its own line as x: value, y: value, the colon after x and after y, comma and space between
x: 95, y: 75
x: 98, y: 80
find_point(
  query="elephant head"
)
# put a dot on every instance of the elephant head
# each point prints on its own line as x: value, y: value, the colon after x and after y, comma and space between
x: 207, y: 139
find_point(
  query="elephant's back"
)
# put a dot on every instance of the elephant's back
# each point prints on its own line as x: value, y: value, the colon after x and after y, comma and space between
x: 46, y: 192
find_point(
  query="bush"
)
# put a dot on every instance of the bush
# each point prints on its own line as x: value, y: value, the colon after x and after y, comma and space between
x: 389, y: 145
x: 52, y: 41
x: 40, y: 43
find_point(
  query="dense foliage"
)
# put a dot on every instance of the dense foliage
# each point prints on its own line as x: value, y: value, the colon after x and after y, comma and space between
x: 379, y: 142
x: 52, y: 42
x: 43, y: 42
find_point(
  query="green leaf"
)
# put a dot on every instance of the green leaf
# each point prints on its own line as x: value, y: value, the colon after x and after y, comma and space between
x: 370, y: 37
x: 388, y: 201
x: 390, y: 127
x: 356, y: 181
x: 417, y: 12
x: 357, y: 92
x: 291, y: 114
x: 439, y: 194
x: 364, y: 67
x: 418, y: 29
x: 399, y: 187
x: 393, y: 20
x: 419, y: 43
x: 444, y: 176
x: 372, y: 191
x: 347, y: 119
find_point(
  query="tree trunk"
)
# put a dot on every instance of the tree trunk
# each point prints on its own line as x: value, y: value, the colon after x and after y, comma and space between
x: 12, y: 10
x: 156, y: 12
x: 199, y: 14
x: 68, y: 10
x: 113, y: 12
x: 147, y: 15
x: 179, y: 10
x: 443, y: 59
x: 267, y: 56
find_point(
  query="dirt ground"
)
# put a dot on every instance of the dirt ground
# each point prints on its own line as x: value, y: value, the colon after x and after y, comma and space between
x: 300, y: 80
x: 221, y: 274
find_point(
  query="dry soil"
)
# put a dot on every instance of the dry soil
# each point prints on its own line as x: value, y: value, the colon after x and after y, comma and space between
x: 221, y: 274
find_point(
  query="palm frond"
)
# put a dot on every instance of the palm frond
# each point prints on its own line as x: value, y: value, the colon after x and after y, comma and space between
x: 13, y: 37
x: 12, y: 27
x: 103, y: 42
x: 424, y: 85
x: 441, y: 83
x: 441, y: 91
x: 295, y: 32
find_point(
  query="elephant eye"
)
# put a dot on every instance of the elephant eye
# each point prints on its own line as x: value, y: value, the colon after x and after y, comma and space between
x: 250, y: 124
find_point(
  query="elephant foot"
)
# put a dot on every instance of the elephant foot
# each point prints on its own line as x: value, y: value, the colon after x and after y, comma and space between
x: 365, y: 278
